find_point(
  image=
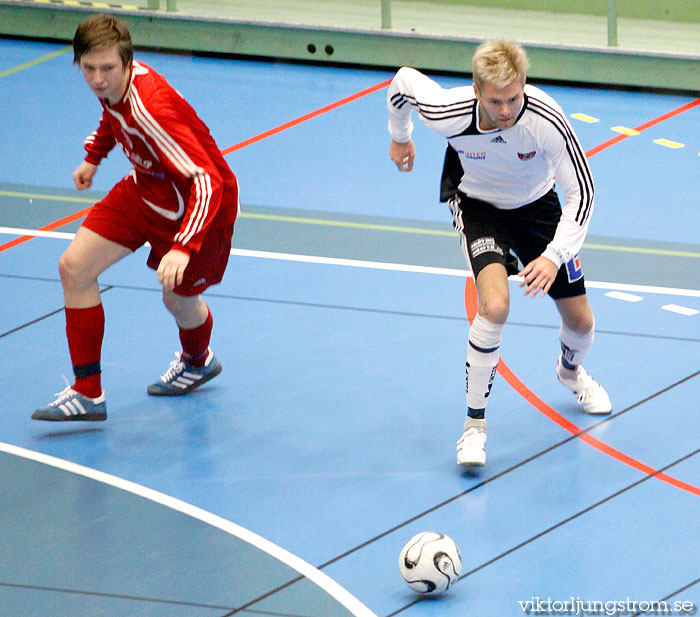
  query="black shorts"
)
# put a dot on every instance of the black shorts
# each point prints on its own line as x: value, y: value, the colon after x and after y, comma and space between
x: 489, y: 234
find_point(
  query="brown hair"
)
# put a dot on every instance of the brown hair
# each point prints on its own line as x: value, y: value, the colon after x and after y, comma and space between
x: 100, y: 32
x: 499, y: 63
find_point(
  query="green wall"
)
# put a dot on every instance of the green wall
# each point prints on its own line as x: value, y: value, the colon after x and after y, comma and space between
x: 375, y: 48
x: 667, y: 10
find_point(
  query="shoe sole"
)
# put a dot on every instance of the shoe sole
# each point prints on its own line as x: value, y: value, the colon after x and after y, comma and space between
x: 480, y: 462
x: 92, y: 417
x: 189, y: 388
x: 596, y: 412
x: 470, y: 464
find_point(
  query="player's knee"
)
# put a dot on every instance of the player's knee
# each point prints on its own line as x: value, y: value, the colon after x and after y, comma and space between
x: 171, y: 302
x: 582, y: 323
x: 179, y: 305
x: 495, y: 310
x: 73, y: 275
x: 579, y: 321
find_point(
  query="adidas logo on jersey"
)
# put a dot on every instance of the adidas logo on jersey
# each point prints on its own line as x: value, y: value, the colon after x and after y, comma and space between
x: 498, y: 140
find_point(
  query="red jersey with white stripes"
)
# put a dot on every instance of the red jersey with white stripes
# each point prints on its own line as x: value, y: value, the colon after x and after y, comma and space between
x: 179, y: 172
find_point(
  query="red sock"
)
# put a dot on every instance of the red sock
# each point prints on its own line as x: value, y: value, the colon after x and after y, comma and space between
x: 195, y: 342
x: 85, y: 328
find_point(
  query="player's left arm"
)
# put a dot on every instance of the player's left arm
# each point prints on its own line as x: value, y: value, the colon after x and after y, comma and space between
x: 573, y: 176
x: 188, y: 160
x: 538, y: 276
x: 171, y: 269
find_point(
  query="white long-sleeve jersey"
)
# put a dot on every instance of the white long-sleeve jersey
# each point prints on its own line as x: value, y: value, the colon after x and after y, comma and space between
x: 507, y: 168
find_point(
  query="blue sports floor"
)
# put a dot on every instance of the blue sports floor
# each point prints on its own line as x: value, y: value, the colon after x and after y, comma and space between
x: 288, y: 485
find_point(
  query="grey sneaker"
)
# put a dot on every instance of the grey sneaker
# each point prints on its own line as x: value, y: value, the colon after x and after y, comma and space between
x: 182, y: 377
x: 73, y: 406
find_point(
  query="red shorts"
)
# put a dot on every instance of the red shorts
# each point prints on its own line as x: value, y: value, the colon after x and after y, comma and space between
x: 122, y: 217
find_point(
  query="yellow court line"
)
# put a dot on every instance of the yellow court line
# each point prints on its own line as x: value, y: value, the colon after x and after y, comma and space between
x: 437, y: 232
x: 368, y: 226
x: 669, y: 144
x: 331, y: 223
x: 80, y: 200
x: 635, y: 249
x: 36, y: 61
x: 585, y: 118
x: 624, y: 130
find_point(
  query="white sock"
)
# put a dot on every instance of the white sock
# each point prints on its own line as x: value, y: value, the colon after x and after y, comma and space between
x: 483, y: 352
x: 575, y: 346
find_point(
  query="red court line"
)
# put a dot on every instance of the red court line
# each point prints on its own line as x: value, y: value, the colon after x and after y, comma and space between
x: 646, y: 125
x: 305, y: 117
x: 50, y: 227
x: 238, y: 146
x: 471, y: 305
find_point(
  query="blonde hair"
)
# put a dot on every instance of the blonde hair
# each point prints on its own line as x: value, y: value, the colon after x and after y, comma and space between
x: 499, y: 62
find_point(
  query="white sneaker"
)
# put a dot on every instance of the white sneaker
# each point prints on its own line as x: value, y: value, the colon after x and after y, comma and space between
x: 591, y: 395
x: 470, y: 447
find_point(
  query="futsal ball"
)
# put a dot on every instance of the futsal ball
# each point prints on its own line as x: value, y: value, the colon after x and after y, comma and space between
x: 430, y: 562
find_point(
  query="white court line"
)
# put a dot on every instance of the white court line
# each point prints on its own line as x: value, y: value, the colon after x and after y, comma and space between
x: 621, y: 295
x: 379, y: 265
x: 352, y: 263
x: 326, y: 583
x: 681, y: 310
x: 16, y: 231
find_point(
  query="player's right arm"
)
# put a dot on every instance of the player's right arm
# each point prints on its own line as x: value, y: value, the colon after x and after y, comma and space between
x: 403, y: 154
x: 97, y: 145
x: 83, y: 175
x: 446, y: 111
x: 100, y: 143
